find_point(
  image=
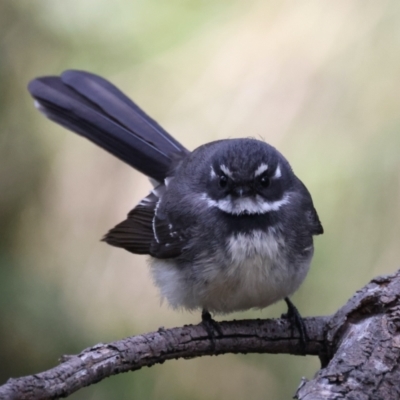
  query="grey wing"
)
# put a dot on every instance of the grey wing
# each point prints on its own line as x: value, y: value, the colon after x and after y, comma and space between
x: 135, y: 234
x: 311, y: 212
x: 144, y: 232
x: 315, y: 223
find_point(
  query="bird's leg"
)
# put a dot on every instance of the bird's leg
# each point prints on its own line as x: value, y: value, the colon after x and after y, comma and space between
x: 296, y: 320
x: 211, y: 326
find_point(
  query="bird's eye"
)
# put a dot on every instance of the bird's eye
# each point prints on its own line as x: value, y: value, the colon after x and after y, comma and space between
x: 223, y: 181
x: 264, y: 181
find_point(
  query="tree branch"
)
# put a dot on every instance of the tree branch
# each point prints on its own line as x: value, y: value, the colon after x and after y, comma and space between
x: 359, y: 347
x: 363, y: 344
x: 133, y: 353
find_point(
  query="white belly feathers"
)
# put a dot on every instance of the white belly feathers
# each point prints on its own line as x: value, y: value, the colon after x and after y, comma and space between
x: 252, y: 273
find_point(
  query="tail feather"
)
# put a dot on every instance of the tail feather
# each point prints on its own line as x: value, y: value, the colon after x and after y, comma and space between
x: 97, y: 110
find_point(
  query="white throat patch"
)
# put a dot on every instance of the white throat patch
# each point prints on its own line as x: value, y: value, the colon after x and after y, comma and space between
x: 246, y: 205
x: 226, y: 171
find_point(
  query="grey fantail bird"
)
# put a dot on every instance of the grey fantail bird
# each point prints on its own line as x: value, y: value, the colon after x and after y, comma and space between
x: 228, y: 226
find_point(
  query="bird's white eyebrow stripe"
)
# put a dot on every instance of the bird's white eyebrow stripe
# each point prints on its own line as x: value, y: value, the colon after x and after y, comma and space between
x: 226, y: 170
x: 277, y: 173
x: 212, y: 173
x: 261, y: 168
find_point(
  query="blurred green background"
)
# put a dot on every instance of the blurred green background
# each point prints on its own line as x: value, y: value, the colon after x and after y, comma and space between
x: 320, y: 80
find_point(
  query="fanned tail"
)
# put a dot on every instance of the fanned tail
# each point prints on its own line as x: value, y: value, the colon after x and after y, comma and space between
x: 94, y: 108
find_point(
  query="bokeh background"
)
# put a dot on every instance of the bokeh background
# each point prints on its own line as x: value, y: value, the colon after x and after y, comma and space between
x: 320, y: 80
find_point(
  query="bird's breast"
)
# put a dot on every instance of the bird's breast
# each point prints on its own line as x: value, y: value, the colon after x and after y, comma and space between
x: 254, y: 249
x: 252, y: 270
x: 255, y: 273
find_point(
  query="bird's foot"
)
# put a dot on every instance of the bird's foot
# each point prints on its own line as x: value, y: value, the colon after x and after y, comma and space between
x: 297, y: 321
x: 211, y: 326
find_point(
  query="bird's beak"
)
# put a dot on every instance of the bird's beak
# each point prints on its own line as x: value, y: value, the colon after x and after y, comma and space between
x: 242, y: 191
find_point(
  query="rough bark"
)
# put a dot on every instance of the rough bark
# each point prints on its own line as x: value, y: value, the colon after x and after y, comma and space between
x: 359, y: 347
x: 363, y: 345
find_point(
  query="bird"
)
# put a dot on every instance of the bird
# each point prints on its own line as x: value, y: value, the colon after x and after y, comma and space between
x: 228, y: 226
